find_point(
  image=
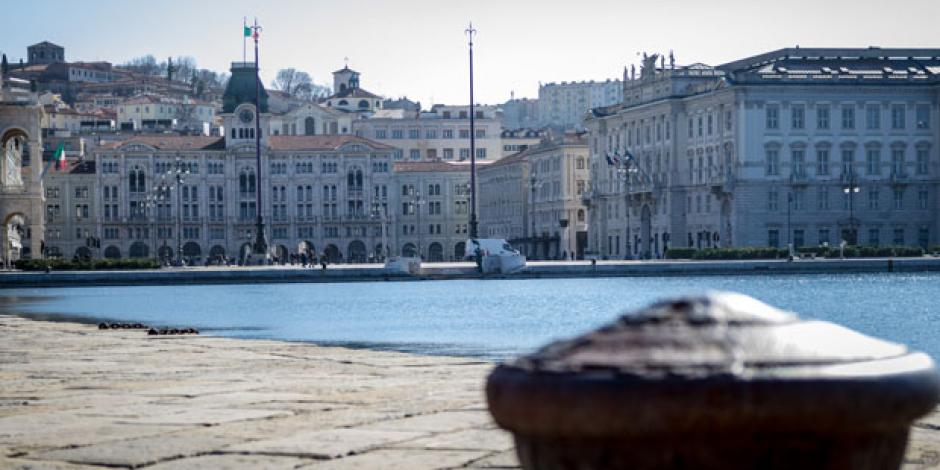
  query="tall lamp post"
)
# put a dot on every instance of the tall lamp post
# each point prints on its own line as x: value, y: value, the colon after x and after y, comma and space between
x: 473, y: 153
x: 850, y: 188
x: 626, y: 171
x: 417, y: 202
x: 379, y: 213
x: 534, y: 185
x: 789, y: 230
x: 162, y: 192
x: 261, y: 246
x: 177, y: 174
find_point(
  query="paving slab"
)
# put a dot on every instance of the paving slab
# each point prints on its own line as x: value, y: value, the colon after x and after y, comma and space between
x: 325, y: 444
x: 469, y: 439
x: 392, y: 459
x: 136, y: 452
x: 233, y: 462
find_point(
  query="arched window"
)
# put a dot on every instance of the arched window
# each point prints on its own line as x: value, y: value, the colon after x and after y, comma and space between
x: 246, y: 181
x: 363, y: 104
x: 343, y: 102
x: 580, y: 215
x: 137, y: 182
x: 580, y: 163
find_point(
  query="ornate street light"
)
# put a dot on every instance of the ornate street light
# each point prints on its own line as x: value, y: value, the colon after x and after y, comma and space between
x: 177, y: 174
x: 850, y: 188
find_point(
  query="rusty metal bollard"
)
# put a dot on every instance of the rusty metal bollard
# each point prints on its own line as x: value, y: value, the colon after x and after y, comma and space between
x: 720, y: 381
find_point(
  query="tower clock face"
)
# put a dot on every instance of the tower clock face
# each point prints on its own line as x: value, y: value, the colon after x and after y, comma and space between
x: 246, y: 116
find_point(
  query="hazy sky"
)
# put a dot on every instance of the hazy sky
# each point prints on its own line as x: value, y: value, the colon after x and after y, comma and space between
x: 419, y: 49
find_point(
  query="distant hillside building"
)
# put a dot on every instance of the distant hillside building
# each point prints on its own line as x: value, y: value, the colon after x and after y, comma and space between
x: 565, y: 105
x: 45, y: 53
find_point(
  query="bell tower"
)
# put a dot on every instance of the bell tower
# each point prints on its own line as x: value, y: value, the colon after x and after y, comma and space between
x: 239, y: 113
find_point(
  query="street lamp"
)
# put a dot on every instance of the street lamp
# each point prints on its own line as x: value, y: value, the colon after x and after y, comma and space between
x: 473, y: 166
x: 178, y: 173
x: 626, y: 172
x: 534, y: 185
x: 378, y: 212
x: 162, y: 192
x: 416, y: 204
x: 850, y: 188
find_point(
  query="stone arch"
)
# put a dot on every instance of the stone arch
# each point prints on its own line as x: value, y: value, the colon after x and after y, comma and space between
x: 139, y: 250
x: 192, y: 249
x: 409, y: 250
x: 332, y: 253
x: 282, y: 253
x: 435, y: 252
x: 306, y: 247
x: 356, y: 252
x: 112, y: 252
x: 217, y: 251
x: 83, y: 253
x: 460, y: 250
x: 165, y: 252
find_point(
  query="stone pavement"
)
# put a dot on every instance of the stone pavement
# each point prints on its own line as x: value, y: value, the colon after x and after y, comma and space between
x: 74, y: 397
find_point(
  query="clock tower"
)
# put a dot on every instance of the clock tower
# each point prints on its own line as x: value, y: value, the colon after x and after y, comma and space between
x: 239, y: 113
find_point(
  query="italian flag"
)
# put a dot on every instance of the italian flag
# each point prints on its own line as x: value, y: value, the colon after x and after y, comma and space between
x: 59, y: 157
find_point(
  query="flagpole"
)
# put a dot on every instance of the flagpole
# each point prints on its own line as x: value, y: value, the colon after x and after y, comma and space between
x: 244, y: 39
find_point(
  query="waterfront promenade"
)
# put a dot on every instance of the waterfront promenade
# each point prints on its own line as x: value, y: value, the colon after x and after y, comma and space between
x: 75, y: 397
x: 464, y: 270
x: 72, y: 396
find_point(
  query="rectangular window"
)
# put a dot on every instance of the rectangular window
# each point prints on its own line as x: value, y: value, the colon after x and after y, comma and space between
x: 897, y: 161
x: 380, y: 133
x: 922, y: 161
x: 822, y: 198
x: 772, y: 203
x: 897, y: 116
x: 822, y: 117
x: 823, y: 236
x: 873, y: 161
x: 464, y: 154
x: 799, y: 238
x: 873, y: 198
x: 413, y: 133
x: 430, y: 133
x: 448, y: 154
x: 848, y: 161
x: 797, y: 158
x: 922, y: 196
x: 797, y: 117
x: 898, y: 199
x: 798, y: 199
x: 873, y: 236
x: 898, y: 237
x: 447, y: 133
x: 415, y: 154
x: 773, y: 162
x: 873, y: 116
x: 397, y: 134
x: 822, y: 162
x: 772, y: 117
x: 848, y: 117
x: 923, y: 116
x: 773, y: 238
x: 464, y: 133
x: 481, y: 153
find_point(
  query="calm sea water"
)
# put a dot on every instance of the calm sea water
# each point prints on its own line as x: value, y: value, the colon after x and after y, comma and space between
x: 491, y: 319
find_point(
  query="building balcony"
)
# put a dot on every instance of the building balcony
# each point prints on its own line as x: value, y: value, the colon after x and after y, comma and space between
x: 799, y: 178
x: 900, y: 179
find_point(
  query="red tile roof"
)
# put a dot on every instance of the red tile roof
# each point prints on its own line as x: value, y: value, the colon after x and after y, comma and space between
x: 319, y: 142
x: 172, y: 142
x: 415, y: 167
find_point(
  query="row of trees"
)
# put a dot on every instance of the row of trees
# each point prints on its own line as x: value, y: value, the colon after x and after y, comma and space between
x: 293, y: 82
x: 298, y: 84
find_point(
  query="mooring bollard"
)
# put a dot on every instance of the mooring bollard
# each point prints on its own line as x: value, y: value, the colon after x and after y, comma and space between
x: 720, y: 381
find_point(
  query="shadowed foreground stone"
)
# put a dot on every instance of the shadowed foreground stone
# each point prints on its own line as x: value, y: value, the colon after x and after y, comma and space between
x: 715, y: 382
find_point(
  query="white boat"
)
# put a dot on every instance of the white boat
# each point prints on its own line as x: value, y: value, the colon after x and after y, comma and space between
x: 403, y: 264
x: 498, y: 256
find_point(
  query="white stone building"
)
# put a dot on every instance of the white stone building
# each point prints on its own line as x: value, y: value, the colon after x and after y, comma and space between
x: 801, y: 146
x: 443, y: 133
x: 564, y: 105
